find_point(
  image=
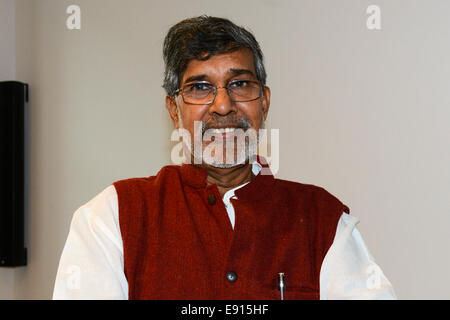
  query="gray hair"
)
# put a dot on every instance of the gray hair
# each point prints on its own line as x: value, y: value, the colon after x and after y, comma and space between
x: 201, y: 38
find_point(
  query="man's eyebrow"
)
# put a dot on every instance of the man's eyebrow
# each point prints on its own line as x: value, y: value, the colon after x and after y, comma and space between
x: 233, y: 72
x: 199, y: 77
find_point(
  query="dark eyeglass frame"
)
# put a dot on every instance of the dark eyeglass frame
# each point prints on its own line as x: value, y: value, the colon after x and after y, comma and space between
x: 227, y: 87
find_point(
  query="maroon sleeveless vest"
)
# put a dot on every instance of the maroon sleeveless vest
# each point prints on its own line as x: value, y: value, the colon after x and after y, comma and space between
x: 179, y: 243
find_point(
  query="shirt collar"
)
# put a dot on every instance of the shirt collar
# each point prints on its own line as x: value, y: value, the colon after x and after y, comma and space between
x: 256, y: 168
x: 195, y: 176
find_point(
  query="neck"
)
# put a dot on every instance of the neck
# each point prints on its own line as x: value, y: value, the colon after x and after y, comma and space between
x: 228, y: 178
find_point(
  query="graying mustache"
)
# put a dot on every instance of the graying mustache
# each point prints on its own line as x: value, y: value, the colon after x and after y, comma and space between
x: 240, y: 123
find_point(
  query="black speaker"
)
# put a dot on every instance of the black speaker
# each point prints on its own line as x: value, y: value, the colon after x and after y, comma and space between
x: 13, y: 103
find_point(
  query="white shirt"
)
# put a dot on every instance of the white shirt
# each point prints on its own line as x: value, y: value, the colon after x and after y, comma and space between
x: 92, y: 262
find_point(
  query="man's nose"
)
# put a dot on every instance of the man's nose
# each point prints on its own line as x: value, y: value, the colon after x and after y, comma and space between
x: 222, y: 104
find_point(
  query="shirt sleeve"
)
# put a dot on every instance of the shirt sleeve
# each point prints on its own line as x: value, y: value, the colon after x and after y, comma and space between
x: 349, y: 271
x: 92, y: 264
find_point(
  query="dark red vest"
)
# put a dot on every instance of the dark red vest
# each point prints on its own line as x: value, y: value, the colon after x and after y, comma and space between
x: 179, y: 243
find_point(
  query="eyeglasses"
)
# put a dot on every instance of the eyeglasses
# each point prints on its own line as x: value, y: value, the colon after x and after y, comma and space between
x: 204, y: 92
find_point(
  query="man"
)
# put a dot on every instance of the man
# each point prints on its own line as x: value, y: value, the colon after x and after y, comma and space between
x: 214, y: 228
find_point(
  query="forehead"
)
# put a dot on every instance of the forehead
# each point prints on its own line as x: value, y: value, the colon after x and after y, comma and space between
x: 220, y: 66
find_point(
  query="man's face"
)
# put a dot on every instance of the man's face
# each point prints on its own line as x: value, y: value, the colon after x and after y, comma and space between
x: 223, y: 112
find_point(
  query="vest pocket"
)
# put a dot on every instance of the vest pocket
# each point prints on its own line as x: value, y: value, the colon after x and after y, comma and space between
x: 290, y: 293
x: 300, y: 294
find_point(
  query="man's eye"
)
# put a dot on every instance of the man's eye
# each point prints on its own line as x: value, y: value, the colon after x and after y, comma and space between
x: 239, y: 84
x: 199, y: 87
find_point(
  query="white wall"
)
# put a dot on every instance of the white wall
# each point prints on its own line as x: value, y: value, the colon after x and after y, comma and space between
x: 362, y: 113
x: 7, y: 73
x: 7, y: 40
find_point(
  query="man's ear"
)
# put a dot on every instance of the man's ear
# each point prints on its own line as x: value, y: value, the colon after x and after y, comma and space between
x: 266, y: 102
x: 171, y: 106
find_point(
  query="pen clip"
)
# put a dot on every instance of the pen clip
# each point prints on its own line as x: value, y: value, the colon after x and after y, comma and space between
x: 281, y: 284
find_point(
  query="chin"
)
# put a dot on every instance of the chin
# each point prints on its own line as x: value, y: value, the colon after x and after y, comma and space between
x: 219, y: 163
x: 223, y: 165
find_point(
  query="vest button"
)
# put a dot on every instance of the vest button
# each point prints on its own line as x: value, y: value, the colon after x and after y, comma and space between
x: 231, y: 276
x: 211, y: 199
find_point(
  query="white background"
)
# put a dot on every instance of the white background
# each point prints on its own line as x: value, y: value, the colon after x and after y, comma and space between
x: 364, y: 114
